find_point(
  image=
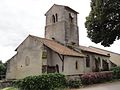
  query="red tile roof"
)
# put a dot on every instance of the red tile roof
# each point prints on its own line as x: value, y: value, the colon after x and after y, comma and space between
x: 57, y: 47
x: 88, y: 49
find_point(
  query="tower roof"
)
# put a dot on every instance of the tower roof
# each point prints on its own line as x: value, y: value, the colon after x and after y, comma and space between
x: 66, y: 7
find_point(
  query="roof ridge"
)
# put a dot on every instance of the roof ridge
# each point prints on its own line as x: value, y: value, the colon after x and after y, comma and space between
x: 55, y: 45
x: 104, y: 50
x: 85, y: 48
x: 62, y: 6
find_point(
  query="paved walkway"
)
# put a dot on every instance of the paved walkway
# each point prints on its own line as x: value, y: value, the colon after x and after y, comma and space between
x: 107, y: 86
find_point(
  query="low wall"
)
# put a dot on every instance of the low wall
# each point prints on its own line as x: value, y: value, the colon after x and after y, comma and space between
x: 4, y: 84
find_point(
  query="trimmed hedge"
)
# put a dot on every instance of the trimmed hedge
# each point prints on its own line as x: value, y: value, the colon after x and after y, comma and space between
x: 97, y: 77
x: 116, y: 72
x: 42, y: 82
x: 73, y: 83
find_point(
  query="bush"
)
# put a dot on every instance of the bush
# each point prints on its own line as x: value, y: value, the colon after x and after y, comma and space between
x: 97, y: 77
x: 116, y: 72
x: 42, y: 82
x: 73, y: 83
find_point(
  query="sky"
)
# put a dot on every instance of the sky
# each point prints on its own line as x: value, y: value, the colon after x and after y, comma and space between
x: 19, y: 18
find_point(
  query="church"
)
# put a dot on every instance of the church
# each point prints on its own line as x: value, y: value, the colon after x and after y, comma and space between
x: 59, y: 51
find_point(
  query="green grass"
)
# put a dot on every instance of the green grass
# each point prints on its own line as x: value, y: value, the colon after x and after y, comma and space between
x: 10, y: 88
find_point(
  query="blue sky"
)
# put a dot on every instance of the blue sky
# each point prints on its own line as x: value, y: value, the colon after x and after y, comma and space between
x: 19, y: 18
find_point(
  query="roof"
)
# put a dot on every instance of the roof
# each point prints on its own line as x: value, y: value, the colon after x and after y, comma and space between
x: 71, y: 9
x: 55, y: 46
x: 114, y: 57
x: 66, y: 7
x: 88, y: 49
x: 104, y: 50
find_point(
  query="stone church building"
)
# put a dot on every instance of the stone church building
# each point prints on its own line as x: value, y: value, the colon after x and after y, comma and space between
x: 59, y: 51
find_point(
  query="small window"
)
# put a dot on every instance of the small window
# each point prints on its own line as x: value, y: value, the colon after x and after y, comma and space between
x: 56, y: 17
x: 27, y: 61
x: 44, y: 54
x: 53, y: 18
x: 88, y: 61
x: 73, y: 43
x: 53, y: 38
x: 71, y: 17
x: 76, y: 65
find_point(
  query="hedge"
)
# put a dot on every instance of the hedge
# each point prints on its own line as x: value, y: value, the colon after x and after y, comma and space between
x: 42, y: 82
x: 116, y: 72
x: 73, y: 83
x: 97, y: 77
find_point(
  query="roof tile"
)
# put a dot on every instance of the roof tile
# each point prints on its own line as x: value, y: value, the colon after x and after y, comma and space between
x: 55, y: 46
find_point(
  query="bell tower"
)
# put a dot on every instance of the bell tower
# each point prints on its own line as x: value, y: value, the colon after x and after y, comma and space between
x: 61, y: 25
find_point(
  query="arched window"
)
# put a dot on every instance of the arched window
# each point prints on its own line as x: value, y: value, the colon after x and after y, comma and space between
x: 88, y: 61
x: 56, y: 17
x: 71, y: 18
x: 53, y: 18
x: 27, y: 61
x: 76, y: 65
x: 44, y: 54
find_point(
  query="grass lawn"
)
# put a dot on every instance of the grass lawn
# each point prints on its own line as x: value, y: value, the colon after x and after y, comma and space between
x: 10, y: 88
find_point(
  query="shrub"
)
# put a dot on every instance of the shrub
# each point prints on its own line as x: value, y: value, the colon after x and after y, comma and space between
x: 116, y: 72
x: 42, y: 82
x: 97, y: 77
x: 73, y: 83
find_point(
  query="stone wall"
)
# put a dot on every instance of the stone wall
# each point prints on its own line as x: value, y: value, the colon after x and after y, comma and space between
x: 4, y: 84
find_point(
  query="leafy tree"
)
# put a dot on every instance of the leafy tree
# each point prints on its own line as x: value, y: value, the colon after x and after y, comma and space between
x: 103, y: 22
x: 0, y: 61
x: 2, y: 69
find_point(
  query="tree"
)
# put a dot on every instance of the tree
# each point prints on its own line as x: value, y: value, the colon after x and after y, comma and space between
x: 2, y: 69
x: 103, y: 22
x: 0, y: 61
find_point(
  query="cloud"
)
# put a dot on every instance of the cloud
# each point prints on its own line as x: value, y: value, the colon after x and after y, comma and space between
x: 18, y: 18
x: 6, y: 53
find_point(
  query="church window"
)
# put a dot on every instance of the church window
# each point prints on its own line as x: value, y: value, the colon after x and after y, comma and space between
x: 73, y: 43
x: 71, y: 17
x: 53, y: 38
x: 53, y: 18
x: 88, y: 61
x: 56, y: 17
x: 27, y: 61
x: 76, y: 65
x: 44, y: 54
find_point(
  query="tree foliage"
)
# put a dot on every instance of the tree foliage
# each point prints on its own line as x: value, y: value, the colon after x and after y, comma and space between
x: 2, y: 69
x: 103, y: 22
